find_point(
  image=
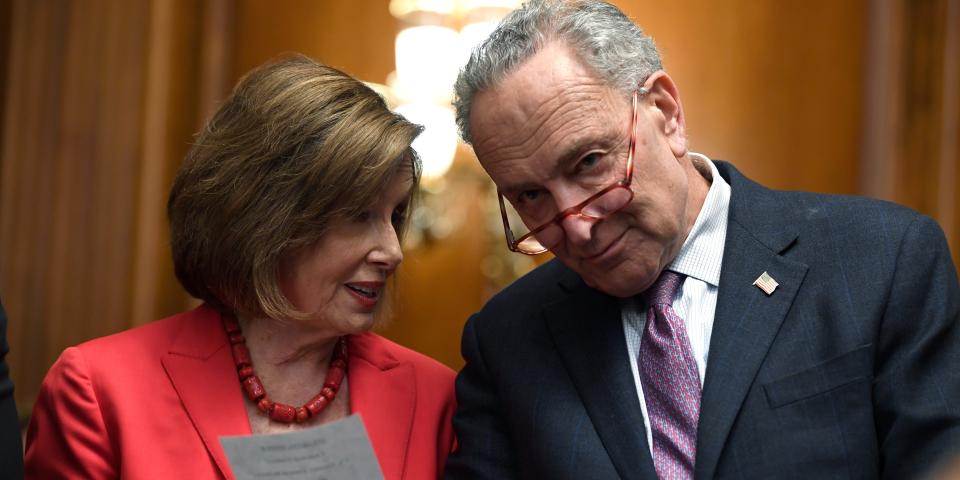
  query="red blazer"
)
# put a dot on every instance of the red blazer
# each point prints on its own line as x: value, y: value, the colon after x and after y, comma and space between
x: 152, y: 402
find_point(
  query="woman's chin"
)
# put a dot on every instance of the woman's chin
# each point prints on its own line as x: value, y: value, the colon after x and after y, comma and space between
x: 363, y: 325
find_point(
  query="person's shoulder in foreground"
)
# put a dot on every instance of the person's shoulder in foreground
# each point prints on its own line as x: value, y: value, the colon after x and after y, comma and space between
x: 11, y: 449
x: 427, y: 369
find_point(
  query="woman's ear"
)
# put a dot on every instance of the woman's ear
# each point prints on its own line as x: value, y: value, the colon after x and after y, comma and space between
x: 665, y: 99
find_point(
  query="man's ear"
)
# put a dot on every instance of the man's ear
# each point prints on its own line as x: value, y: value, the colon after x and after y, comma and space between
x: 665, y: 100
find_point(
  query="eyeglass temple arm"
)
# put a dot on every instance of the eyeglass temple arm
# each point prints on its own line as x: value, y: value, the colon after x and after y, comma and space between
x: 511, y: 241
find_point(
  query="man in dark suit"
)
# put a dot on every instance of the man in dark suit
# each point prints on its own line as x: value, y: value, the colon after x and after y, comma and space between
x: 694, y: 324
x: 11, y: 450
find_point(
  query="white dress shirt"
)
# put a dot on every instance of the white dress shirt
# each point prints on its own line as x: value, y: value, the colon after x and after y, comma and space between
x: 699, y: 259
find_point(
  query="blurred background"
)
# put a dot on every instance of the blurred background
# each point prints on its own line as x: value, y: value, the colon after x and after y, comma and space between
x: 101, y: 99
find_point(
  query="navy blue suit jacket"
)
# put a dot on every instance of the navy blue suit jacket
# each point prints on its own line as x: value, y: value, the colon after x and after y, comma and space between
x: 850, y: 369
x: 11, y: 449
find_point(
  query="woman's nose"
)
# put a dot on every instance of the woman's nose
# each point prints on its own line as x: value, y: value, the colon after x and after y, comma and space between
x: 386, y: 253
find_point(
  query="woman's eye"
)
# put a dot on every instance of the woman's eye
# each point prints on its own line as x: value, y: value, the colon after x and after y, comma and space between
x: 362, y: 217
x: 398, y: 217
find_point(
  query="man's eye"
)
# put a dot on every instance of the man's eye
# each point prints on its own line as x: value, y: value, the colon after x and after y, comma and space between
x: 589, y: 161
x: 529, y: 196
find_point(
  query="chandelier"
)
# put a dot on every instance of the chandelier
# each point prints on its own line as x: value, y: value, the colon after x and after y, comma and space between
x: 434, y: 42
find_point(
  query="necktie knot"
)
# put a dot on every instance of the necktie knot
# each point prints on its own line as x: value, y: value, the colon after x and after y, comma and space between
x: 665, y: 288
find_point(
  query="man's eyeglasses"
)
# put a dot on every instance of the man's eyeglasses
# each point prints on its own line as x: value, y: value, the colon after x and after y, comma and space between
x: 598, y: 206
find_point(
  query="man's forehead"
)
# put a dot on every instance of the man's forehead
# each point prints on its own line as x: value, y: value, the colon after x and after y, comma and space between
x: 509, y: 114
x: 526, y: 124
x: 539, y: 80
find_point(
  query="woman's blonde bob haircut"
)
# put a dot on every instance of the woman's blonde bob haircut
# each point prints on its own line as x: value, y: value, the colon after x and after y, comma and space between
x: 296, y: 147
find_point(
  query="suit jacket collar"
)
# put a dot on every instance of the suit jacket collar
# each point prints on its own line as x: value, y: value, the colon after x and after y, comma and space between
x: 200, y: 367
x: 759, y: 234
x: 383, y: 392
x: 586, y: 327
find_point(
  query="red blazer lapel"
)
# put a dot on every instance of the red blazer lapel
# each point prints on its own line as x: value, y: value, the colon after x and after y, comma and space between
x: 383, y: 393
x: 200, y: 367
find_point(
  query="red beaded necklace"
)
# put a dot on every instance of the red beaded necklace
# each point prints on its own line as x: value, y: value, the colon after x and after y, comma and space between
x: 281, y: 412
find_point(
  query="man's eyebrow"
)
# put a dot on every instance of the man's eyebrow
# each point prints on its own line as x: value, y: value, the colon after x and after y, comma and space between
x: 510, y: 190
x: 568, y: 155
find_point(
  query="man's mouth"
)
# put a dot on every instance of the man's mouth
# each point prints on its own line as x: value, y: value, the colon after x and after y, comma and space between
x: 605, y: 250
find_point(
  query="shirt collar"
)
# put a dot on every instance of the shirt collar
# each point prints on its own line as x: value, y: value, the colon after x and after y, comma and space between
x: 702, y: 252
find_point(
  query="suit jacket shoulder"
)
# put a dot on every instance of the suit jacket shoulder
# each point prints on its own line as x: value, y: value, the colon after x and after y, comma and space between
x: 104, y: 401
x: 525, y: 298
x: 432, y: 380
x: 386, y: 350
x: 865, y: 288
x: 406, y: 401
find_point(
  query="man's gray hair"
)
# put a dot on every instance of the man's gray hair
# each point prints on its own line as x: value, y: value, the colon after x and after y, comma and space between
x: 601, y: 35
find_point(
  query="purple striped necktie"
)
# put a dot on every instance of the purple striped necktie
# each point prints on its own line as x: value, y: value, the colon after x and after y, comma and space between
x: 670, y: 381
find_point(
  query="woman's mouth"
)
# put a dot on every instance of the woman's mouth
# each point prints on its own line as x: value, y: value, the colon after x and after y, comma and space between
x: 363, y: 291
x: 367, y: 294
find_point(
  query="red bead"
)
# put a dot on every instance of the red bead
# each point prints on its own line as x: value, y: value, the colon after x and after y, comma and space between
x: 254, y: 388
x: 328, y: 392
x: 241, y: 356
x: 334, y: 378
x: 283, y: 413
x: 302, y: 414
x: 230, y: 324
x: 317, y: 404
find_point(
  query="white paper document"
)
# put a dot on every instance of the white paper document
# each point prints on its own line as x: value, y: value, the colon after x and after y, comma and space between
x: 336, y: 451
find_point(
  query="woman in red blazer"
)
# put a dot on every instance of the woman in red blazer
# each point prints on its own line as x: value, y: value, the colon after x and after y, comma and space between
x: 285, y: 220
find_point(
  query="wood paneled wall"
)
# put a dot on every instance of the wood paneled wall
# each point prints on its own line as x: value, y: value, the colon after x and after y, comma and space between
x: 772, y: 86
x: 69, y: 172
x: 101, y: 98
x: 911, y: 129
x: 354, y: 36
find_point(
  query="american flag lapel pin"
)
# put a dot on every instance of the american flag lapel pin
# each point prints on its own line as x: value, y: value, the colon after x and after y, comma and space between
x: 766, y: 283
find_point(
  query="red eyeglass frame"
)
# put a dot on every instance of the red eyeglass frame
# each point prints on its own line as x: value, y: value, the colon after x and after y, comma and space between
x: 513, y: 243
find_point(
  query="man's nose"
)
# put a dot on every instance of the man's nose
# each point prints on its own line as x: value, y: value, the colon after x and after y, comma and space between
x: 578, y: 229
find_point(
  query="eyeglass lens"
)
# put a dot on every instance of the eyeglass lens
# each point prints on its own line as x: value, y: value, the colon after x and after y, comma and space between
x: 596, y: 208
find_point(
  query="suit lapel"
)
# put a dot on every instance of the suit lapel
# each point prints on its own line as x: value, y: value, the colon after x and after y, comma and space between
x: 200, y: 367
x: 747, y: 320
x: 381, y: 393
x: 588, y: 332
